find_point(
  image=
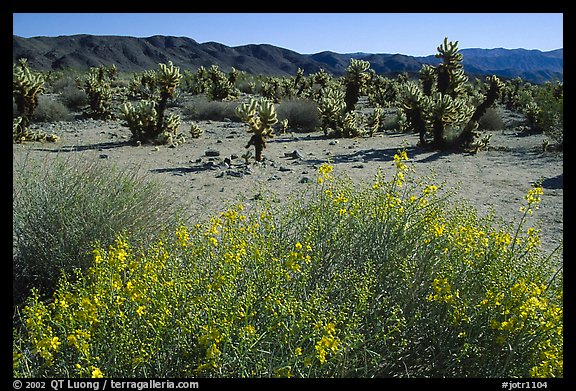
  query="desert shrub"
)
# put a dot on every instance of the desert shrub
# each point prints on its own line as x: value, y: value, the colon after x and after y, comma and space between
x: 73, y: 98
x: 51, y: 110
x: 388, y: 279
x: 393, y: 120
x: 62, y: 206
x: 202, y: 109
x: 491, y: 120
x: 549, y: 99
x: 61, y: 83
x: 302, y: 114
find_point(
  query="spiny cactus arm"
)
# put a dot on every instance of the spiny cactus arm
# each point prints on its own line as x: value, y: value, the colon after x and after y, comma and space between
x: 169, y: 78
x: 195, y: 130
x: 495, y: 86
x: 268, y: 117
x: 247, y: 113
x: 427, y: 75
x: 448, y: 52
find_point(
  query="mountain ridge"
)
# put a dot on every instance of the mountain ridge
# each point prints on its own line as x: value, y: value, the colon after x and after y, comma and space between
x: 133, y: 54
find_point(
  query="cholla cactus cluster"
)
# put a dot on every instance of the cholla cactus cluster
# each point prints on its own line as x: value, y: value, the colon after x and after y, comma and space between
x: 220, y: 86
x: 260, y: 116
x: 26, y: 87
x: 354, y: 80
x: 148, y: 121
x: 97, y: 86
x: 444, y: 106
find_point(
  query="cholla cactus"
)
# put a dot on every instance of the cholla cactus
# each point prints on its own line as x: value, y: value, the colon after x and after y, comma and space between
x: 141, y: 119
x: 168, y: 78
x: 220, y: 87
x: 414, y: 105
x: 283, y: 126
x: 97, y: 86
x: 260, y: 115
x: 148, y: 121
x: 445, y: 112
x: 143, y: 86
x: 195, y: 130
x: 354, y: 80
x: 495, y: 86
x: 531, y: 110
x: 448, y: 104
x: 375, y: 120
x: 427, y: 76
x: 451, y: 77
x: 332, y: 109
x: 352, y: 125
x: 26, y: 87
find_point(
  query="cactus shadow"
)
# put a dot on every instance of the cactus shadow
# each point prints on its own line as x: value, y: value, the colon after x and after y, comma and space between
x: 387, y: 155
x: 556, y: 182
x: 89, y: 147
x: 182, y: 170
x: 285, y: 138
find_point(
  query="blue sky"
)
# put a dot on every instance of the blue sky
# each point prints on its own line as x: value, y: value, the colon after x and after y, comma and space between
x: 415, y: 34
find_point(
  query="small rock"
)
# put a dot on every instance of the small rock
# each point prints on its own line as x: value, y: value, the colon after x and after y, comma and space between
x: 103, y: 156
x: 304, y: 179
x: 212, y: 152
x: 237, y: 174
x: 296, y: 154
x: 274, y: 178
x: 333, y: 142
x: 233, y: 156
x: 284, y: 169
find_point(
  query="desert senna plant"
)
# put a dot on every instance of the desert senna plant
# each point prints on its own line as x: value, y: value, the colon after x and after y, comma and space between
x: 260, y: 116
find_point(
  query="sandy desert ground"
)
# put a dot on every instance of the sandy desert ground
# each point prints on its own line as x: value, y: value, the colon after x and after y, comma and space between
x: 209, y: 172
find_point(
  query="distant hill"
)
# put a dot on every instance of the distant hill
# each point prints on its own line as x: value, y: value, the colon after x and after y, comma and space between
x: 137, y: 54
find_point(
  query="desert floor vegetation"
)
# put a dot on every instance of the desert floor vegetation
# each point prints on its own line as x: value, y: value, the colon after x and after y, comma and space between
x: 149, y: 240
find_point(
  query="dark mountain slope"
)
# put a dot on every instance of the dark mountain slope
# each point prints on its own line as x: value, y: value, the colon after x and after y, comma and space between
x: 137, y: 54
